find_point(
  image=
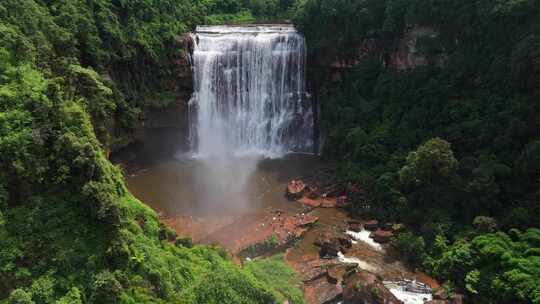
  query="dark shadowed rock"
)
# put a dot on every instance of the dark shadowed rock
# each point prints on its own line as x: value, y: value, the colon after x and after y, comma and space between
x: 440, y: 294
x: 331, y: 243
x: 321, y: 291
x: 441, y: 297
x: 371, y: 225
x: 364, y: 287
x: 382, y: 236
x: 355, y: 226
x: 337, y: 272
x: 387, y: 226
x: 295, y: 189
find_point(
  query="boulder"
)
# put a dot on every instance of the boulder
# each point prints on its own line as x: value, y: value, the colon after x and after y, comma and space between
x: 295, y: 189
x: 442, y: 297
x: 382, y: 236
x: 307, y: 220
x: 387, y: 226
x: 322, y: 290
x: 330, y: 246
x: 345, y: 242
x: 355, y: 226
x: 440, y: 294
x: 456, y: 298
x: 364, y: 287
x: 332, y: 243
x: 371, y: 225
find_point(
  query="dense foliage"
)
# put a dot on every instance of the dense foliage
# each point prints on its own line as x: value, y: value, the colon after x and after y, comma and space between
x: 450, y: 148
x: 70, y: 232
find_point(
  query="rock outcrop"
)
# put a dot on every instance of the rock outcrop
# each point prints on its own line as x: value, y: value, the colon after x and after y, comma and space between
x: 295, y: 190
x: 365, y: 288
x: 332, y: 243
x: 371, y: 225
x: 441, y: 297
x: 382, y: 236
x: 355, y: 226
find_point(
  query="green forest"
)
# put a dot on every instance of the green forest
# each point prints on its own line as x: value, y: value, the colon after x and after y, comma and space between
x: 451, y: 149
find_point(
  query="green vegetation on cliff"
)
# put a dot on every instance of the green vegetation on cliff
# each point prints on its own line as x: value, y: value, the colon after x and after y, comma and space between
x: 71, y: 72
x: 450, y: 148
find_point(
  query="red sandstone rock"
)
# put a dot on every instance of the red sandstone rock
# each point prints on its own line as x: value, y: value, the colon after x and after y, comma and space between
x: 310, y: 202
x: 295, y: 189
x: 331, y: 243
x: 382, y: 236
x: 329, y: 202
x: 365, y: 287
x: 371, y: 225
x: 321, y: 291
x: 337, y: 272
x: 355, y: 226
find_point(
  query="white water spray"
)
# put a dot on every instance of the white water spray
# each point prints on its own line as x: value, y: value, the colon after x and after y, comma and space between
x: 250, y: 95
x: 249, y: 102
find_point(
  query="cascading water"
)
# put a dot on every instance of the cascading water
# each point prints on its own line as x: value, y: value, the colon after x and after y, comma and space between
x: 250, y: 95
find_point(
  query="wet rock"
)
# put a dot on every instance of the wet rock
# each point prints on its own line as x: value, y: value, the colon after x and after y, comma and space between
x: 345, y: 242
x: 387, y: 226
x: 306, y: 220
x: 382, y: 236
x: 314, y: 203
x: 337, y: 272
x: 328, y: 202
x: 355, y: 226
x: 364, y: 287
x: 321, y: 291
x: 295, y: 189
x: 440, y: 295
x: 331, y: 244
x: 371, y: 225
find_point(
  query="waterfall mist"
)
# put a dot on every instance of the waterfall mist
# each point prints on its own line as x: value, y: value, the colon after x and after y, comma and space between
x: 249, y: 103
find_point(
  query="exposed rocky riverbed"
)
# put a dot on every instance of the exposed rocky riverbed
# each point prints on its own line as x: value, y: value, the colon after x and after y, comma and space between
x: 328, y: 249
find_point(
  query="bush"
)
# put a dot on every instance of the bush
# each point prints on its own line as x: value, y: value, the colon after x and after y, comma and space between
x: 184, y: 242
x: 485, y: 224
x: 19, y: 296
x: 411, y: 247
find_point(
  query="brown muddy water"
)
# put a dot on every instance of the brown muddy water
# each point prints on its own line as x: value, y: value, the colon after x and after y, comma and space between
x: 208, y: 205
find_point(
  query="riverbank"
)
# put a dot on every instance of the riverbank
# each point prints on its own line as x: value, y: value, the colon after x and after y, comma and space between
x: 269, y: 223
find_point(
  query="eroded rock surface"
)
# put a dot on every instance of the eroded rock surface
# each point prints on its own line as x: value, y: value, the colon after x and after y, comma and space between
x: 364, y: 287
x: 331, y: 243
x: 382, y: 236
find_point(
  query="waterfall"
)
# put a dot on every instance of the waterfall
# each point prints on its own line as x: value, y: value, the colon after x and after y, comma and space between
x: 250, y: 96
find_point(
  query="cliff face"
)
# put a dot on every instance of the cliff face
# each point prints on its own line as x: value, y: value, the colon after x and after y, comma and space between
x: 417, y: 46
x: 161, y: 131
x: 181, y: 84
x: 166, y: 128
